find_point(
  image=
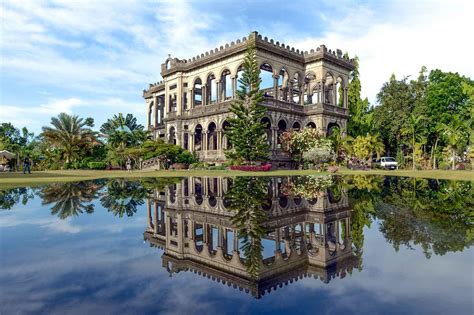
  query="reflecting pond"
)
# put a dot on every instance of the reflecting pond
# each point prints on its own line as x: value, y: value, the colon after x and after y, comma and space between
x: 306, y: 244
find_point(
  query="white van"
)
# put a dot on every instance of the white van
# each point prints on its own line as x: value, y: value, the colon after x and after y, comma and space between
x: 388, y: 162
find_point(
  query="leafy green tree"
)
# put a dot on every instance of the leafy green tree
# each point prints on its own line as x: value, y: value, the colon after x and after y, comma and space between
x: 246, y: 132
x: 122, y: 133
x: 70, y: 134
x: 365, y: 146
x: 360, y: 115
x: 124, y: 197
x: 396, y: 103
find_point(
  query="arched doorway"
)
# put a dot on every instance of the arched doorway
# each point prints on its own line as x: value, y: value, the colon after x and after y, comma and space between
x: 198, y: 138
x: 268, y: 124
x: 212, y: 137
x: 333, y: 128
x: 172, y: 136
x: 281, y: 129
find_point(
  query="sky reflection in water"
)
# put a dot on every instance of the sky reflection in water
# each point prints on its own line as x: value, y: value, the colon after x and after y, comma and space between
x: 320, y: 244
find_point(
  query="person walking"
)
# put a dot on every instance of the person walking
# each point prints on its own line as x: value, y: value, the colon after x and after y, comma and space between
x: 26, y: 165
x: 129, y: 164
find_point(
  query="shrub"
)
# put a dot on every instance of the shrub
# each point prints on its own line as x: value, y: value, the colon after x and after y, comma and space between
x: 97, y: 165
x: 320, y: 154
x: 197, y: 166
x: 85, y: 162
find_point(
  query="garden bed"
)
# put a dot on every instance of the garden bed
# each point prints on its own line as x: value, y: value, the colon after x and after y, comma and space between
x: 251, y: 168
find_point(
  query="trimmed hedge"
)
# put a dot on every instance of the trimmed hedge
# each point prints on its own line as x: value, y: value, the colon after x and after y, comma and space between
x: 97, y: 165
x: 251, y: 168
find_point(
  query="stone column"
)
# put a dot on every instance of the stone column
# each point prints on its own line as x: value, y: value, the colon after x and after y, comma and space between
x: 191, y: 99
x: 323, y: 92
x: 204, y: 94
x: 218, y: 96
x: 219, y: 139
x: 274, y: 137
x: 275, y: 86
x: 204, y: 141
x: 335, y: 92
x: 191, y: 141
x: 236, y: 240
x: 346, y: 98
x: 301, y: 88
x: 234, y: 86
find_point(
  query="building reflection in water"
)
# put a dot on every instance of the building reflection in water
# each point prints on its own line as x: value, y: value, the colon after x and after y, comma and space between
x: 192, y: 223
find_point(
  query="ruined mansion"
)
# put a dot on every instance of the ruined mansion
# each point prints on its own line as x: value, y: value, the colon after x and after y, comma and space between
x: 302, y: 89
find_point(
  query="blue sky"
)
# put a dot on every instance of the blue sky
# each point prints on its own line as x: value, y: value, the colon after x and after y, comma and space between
x: 94, y: 58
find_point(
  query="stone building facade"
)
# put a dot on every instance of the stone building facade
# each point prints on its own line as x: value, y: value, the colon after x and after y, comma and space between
x: 193, y: 225
x: 190, y: 106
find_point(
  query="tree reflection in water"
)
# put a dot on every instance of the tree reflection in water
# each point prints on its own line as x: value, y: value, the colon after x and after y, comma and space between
x: 71, y: 199
x: 245, y: 197
x: 11, y: 197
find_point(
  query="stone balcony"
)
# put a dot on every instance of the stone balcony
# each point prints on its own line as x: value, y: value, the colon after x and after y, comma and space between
x: 270, y: 103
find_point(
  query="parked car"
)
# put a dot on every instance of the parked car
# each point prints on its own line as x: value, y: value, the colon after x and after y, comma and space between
x: 388, y: 163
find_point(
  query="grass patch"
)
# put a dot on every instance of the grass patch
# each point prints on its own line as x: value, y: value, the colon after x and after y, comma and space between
x: 10, y: 180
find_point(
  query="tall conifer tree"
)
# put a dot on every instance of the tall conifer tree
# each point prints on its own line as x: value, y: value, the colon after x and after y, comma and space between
x: 246, y: 132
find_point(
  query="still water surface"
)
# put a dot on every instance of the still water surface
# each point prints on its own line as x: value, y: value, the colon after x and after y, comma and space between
x: 200, y: 245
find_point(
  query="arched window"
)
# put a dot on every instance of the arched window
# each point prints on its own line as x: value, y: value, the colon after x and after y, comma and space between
x: 308, y: 85
x: 197, y: 92
x: 211, y: 89
x: 226, y: 85
x: 150, y: 111
x: 266, y: 75
x: 329, y: 89
x: 211, y: 137
x: 296, y: 88
x: 283, y: 85
x: 316, y: 96
x: 340, y: 91
x: 296, y: 126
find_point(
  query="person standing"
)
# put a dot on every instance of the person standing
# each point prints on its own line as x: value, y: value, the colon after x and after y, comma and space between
x: 26, y: 165
x: 129, y: 164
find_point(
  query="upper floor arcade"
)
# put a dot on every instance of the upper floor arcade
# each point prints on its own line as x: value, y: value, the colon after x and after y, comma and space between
x: 292, y: 80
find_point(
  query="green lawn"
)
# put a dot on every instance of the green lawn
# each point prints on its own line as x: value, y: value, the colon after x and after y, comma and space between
x: 8, y: 180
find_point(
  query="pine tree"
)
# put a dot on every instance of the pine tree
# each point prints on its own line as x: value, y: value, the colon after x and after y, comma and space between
x: 246, y: 132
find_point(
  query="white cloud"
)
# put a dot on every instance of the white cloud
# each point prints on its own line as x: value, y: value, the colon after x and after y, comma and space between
x: 433, y: 34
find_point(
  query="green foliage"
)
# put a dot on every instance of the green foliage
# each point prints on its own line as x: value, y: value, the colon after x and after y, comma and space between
x: 70, y: 135
x: 365, y: 146
x: 246, y: 132
x: 97, y: 165
x: 360, y: 115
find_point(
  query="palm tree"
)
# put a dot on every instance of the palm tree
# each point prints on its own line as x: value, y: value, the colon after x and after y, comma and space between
x: 69, y: 134
x: 122, y: 132
x: 70, y: 199
x: 414, y: 123
x: 455, y: 133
